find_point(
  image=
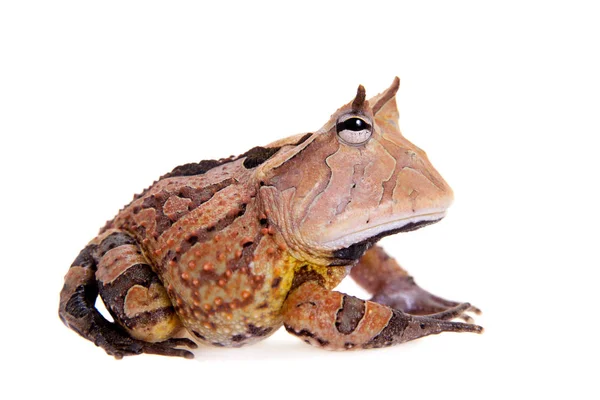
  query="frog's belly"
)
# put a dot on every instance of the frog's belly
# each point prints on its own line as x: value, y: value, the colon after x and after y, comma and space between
x: 237, y: 314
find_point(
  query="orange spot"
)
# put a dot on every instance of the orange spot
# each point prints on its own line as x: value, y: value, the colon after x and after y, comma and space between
x: 222, y: 282
x: 179, y: 301
x: 146, y: 241
x: 208, y: 267
x: 217, y: 238
x: 243, y: 270
x: 196, y: 303
x: 218, y: 301
x: 172, y: 263
x: 271, y: 230
x: 228, y: 273
x: 178, y: 249
x: 258, y: 278
x: 270, y: 251
x: 196, y: 282
x: 229, y: 316
x: 246, y: 294
x: 144, y: 224
x: 207, y: 307
x: 185, y: 276
x: 207, y: 325
x: 170, y: 242
x: 282, y: 246
x: 192, y: 265
x: 264, y: 231
x: 198, y: 253
x: 233, y: 305
x: 197, y: 314
x: 221, y: 257
x: 238, y: 253
x: 277, y: 271
x: 157, y: 252
x: 263, y: 216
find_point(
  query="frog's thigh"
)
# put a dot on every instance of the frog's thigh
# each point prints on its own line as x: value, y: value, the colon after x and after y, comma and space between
x: 132, y: 292
x: 391, y: 285
x: 333, y: 320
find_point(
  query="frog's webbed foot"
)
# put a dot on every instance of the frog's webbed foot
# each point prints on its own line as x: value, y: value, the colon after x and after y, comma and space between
x: 391, y: 285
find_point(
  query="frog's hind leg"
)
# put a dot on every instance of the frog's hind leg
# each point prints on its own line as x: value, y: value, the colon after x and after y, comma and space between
x: 336, y: 321
x: 114, y: 266
x: 390, y: 284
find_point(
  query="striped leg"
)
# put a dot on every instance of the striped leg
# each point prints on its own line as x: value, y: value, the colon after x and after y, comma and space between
x: 337, y: 321
x: 114, y: 266
x: 391, y: 285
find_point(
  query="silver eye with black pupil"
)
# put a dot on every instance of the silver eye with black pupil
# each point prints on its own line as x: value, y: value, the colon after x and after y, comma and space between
x: 353, y: 130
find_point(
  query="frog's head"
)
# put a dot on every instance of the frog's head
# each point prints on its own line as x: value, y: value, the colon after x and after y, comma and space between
x: 340, y: 189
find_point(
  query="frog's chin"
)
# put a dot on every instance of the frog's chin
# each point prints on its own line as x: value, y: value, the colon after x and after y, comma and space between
x: 352, y: 246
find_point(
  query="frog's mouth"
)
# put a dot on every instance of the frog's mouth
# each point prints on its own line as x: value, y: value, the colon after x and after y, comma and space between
x: 366, y: 238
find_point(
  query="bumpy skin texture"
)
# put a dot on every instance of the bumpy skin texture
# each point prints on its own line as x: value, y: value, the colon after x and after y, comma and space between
x: 231, y: 249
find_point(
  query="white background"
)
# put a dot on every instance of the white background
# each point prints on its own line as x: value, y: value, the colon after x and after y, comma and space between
x: 98, y: 99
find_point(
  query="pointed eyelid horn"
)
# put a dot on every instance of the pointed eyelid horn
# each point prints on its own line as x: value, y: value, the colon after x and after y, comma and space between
x: 387, y: 95
x: 359, y: 100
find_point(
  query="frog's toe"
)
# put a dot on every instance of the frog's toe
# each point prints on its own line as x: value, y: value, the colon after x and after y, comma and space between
x: 168, y: 348
x: 459, y: 311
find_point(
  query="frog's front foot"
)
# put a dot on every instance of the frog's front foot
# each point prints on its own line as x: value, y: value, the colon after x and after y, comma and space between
x: 392, y: 286
x: 404, y: 294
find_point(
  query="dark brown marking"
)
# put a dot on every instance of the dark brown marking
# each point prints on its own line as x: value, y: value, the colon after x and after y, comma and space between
x: 114, y: 240
x: 85, y: 258
x: 303, y: 139
x: 258, y: 155
x: 238, y: 338
x: 351, y: 313
x: 148, y: 317
x: 198, y: 168
x: 276, y: 282
x: 391, y: 333
x: 304, y: 274
x: 82, y: 301
x: 198, y: 335
x: 389, y: 94
x: 359, y: 100
x: 258, y: 331
x: 202, y: 195
x: 306, y: 333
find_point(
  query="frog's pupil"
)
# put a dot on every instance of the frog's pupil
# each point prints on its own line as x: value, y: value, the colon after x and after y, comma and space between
x: 353, y: 124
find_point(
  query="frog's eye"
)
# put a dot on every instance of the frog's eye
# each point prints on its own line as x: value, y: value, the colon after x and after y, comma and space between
x: 353, y: 129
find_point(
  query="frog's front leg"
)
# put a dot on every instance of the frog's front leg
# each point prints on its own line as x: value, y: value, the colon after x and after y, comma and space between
x: 114, y: 266
x: 390, y: 284
x: 337, y: 321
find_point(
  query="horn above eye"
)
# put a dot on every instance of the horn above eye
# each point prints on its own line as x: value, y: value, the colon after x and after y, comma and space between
x: 353, y: 129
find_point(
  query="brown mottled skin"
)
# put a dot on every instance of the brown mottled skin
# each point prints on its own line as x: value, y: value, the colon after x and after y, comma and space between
x: 226, y: 251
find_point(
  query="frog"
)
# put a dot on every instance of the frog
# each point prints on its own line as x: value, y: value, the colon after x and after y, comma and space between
x: 224, y: 252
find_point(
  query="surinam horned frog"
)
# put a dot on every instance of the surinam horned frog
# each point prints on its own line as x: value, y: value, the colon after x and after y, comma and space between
x: 226, y: 251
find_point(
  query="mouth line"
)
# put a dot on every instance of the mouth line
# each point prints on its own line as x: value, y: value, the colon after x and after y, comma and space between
x: 354, y: 251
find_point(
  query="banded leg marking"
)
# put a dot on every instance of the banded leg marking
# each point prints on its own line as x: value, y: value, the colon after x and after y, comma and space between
x: 337, y: 321
x: 114, y: 266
